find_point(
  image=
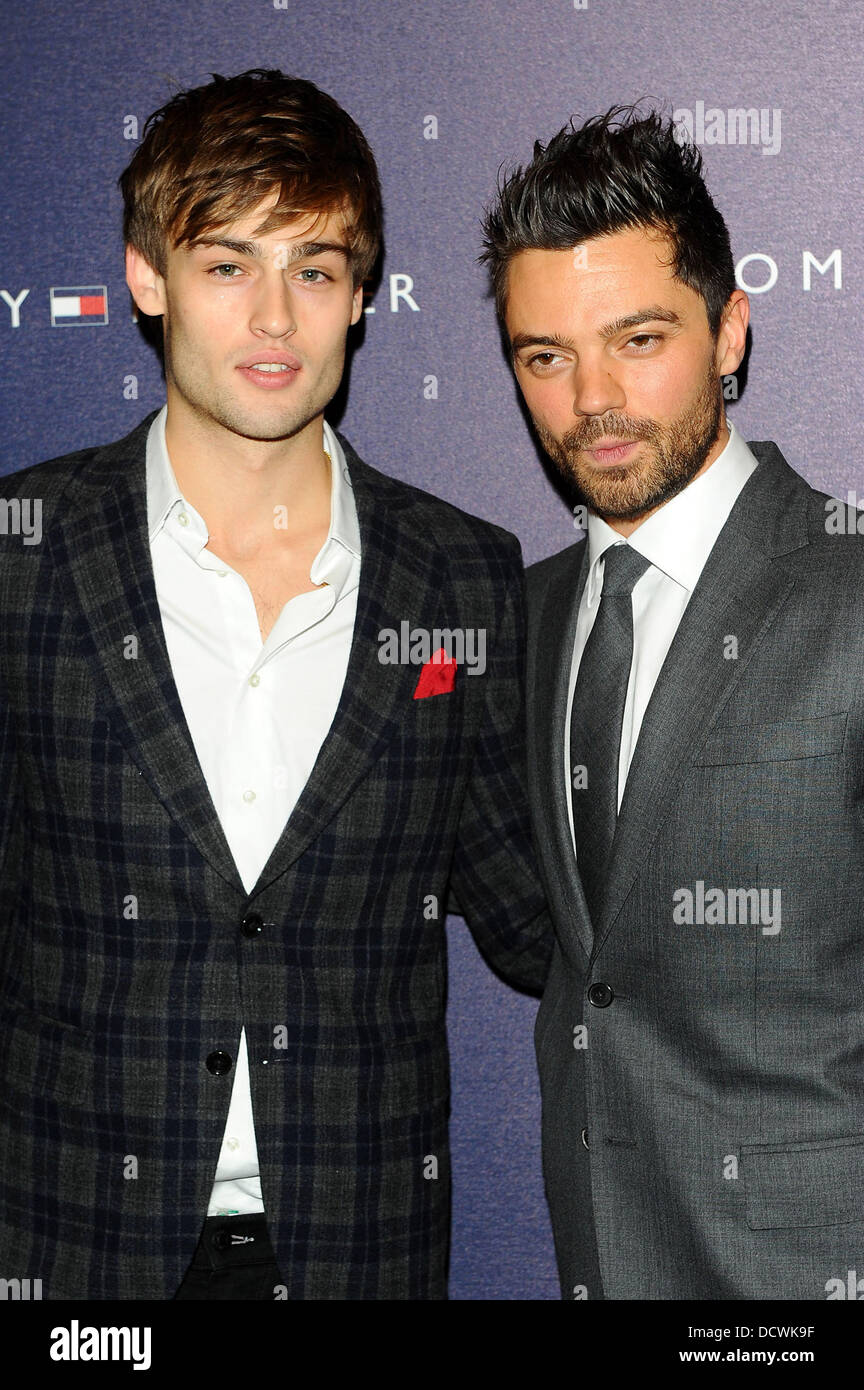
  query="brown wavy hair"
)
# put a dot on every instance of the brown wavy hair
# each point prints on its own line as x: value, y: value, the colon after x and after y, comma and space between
x: 212, y: 153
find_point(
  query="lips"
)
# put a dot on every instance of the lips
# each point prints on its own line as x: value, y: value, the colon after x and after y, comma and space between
x: 272, y: 371
x: 612, y: 451
x: 284, y: 359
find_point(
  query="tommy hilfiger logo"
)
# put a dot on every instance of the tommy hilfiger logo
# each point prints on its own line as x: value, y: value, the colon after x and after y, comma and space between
x: 79, y: 305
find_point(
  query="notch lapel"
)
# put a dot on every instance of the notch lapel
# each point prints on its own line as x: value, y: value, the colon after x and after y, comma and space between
x: 101, y: 552
x: 739, y: 592
x: 100, y: 549
x: 400, y: 579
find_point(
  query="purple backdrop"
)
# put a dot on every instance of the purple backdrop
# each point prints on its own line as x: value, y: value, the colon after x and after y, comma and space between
x: 447, y: 91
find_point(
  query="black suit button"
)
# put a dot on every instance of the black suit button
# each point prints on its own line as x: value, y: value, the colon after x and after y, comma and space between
x: 601, y: 995
x: 219, y: 1063
x: 222, y: 1239
x: 252, y: 924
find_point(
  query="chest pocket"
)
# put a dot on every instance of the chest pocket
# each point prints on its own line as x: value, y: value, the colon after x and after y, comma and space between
x: 783, y: 741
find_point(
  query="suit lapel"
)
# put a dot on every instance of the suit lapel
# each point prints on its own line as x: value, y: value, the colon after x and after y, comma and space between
x: 556, y: 635
x: 101, y: 554
x: 739, y: 593
x: 100, y: 550
x: 400, y: 579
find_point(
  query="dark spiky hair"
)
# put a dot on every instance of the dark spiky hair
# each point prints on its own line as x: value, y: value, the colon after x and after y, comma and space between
x: 618, y: 171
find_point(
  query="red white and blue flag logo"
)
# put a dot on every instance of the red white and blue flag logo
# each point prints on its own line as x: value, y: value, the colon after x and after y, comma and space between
x: 82, y: 304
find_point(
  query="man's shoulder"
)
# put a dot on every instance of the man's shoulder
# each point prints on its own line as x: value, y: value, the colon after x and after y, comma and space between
x: 432, y: 518
x: 564, y: 563
x: 52, y: 476
x: 49, y: 477
x: 832, y: 526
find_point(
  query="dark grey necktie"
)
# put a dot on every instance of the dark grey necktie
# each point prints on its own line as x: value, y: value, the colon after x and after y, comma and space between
x: 596, y: 718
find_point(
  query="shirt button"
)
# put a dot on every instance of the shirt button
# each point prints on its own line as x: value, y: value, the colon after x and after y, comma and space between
x: 255, y: 680
x: 221, y: 573
x: 248, y: 796
x: 183, y: 519
x: 233, y: 1143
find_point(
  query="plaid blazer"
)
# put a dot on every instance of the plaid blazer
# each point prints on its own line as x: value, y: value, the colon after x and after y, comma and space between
x: 126, y: 964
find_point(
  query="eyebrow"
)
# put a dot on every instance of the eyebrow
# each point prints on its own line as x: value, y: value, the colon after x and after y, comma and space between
x: 295, y: 253
x: 654, y: 311
x: 523, y: 340
x: 652, y: 314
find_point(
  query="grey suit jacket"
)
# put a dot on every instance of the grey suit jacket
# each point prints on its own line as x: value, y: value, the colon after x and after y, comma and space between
x: 703, y: 1117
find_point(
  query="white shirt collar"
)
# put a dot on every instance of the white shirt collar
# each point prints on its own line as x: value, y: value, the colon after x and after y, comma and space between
x: 164, y: 496
x: 680, y: 535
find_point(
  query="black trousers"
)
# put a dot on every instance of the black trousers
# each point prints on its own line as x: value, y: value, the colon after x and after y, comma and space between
x: 234, y: 1259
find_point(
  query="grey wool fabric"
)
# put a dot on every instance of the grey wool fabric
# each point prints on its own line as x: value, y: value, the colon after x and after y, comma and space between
x: 701, y: 1037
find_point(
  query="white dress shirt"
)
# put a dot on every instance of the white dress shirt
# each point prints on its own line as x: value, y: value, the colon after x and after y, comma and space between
x: 677, y: 539
x: 258, y: 714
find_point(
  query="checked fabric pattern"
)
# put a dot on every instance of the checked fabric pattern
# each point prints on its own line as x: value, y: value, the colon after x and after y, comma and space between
x: 125, y: 962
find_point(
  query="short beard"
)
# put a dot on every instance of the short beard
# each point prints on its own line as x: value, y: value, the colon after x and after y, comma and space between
x: 677, y: 452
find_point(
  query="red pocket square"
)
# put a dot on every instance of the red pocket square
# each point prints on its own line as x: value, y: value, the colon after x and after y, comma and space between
x: 437, y: 676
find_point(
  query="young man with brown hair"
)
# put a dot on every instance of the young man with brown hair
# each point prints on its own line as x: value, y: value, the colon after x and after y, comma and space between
x: 230, y: 823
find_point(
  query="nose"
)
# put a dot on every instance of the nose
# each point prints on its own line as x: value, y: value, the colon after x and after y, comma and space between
x: 595, y: 388
x: 273, y: 311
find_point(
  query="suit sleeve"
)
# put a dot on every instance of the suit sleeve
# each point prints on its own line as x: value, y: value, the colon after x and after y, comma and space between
x: 495, y: 883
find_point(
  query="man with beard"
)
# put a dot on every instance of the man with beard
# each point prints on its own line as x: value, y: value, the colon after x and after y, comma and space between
x: 695, y: 755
